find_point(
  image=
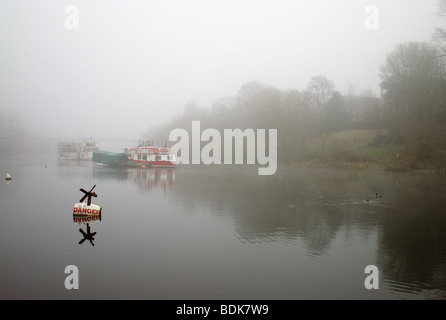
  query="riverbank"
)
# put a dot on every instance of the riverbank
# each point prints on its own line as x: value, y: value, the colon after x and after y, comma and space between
x: 368, y: 165
x: 357, y: 149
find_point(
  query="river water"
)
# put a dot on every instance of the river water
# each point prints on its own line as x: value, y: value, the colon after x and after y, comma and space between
x: 221, y: 232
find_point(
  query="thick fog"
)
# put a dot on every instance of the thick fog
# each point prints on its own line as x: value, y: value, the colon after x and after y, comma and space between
x: 112, y: 69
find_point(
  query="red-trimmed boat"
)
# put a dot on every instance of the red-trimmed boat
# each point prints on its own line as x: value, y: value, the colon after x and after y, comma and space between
x: 148, y: 155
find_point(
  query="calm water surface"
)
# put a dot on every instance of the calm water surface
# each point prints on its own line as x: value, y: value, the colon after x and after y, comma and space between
x: 221, y: 232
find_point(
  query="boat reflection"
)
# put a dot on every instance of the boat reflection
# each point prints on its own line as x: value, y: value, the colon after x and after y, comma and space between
x: 74, y: 163
x: 145, y: 179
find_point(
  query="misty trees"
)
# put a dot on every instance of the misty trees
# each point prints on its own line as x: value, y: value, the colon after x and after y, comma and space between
x: 297, y: 115
x: 318, y: 92
x: 440, y: 33
x: 372, y: 116
x: 336, y: 116
x: 413, y: 80
x: 264, y: 106
x: 413, y: 83
x: 296, y: 124
x: 259, y: 105
x: 300, y: 117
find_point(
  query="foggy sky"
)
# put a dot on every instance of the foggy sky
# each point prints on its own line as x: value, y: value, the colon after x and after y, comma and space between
x: 132, y: 64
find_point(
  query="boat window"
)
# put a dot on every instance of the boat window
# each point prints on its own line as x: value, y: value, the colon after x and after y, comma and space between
x: 144, y: 157
x: 139, y: 157
x: 158, y: 158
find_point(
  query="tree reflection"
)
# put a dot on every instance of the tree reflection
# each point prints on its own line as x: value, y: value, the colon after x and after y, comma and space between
x: 289, y: 206
x: 313, y: 208
x: 412, y: 238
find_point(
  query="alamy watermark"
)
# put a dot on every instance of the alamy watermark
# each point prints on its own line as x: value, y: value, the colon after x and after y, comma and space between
x: 372, y: 280
x: 211, y: 152
x: 72, y: 280
x: 71, y: 17
x: 371, y: 21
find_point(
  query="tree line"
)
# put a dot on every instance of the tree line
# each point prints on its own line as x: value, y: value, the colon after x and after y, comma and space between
x: 413, y: 82
x: 411, y: 106
x: 297, y: 115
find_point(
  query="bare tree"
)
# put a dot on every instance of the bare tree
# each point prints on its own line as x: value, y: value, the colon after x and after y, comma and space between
x: 413, y: 81
x: 319, y: 91
x: 440, y: 32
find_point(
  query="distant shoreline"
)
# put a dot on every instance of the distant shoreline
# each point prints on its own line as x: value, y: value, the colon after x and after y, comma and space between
x: 395, y: 165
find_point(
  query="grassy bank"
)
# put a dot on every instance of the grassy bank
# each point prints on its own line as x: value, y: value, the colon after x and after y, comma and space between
x: 356, y: 149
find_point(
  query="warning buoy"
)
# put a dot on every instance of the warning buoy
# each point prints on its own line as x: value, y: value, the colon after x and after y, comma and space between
x: 83, y: 209
x: 88, y: 208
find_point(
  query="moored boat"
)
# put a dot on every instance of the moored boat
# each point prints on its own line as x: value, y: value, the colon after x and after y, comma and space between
x: 112, y: 159
x: 77, y: 150
x: 148, y: 155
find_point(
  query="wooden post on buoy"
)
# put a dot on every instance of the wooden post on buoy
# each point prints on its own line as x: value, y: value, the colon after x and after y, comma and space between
x: 87, y: 209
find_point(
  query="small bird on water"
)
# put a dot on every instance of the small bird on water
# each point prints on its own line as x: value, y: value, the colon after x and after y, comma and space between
x: 377, y: 195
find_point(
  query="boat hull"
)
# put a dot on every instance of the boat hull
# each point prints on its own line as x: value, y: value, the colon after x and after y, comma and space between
x: 153, y: 164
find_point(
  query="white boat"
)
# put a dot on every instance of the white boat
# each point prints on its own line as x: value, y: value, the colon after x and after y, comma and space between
x: 77, y: 150
x: 150, y: 156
